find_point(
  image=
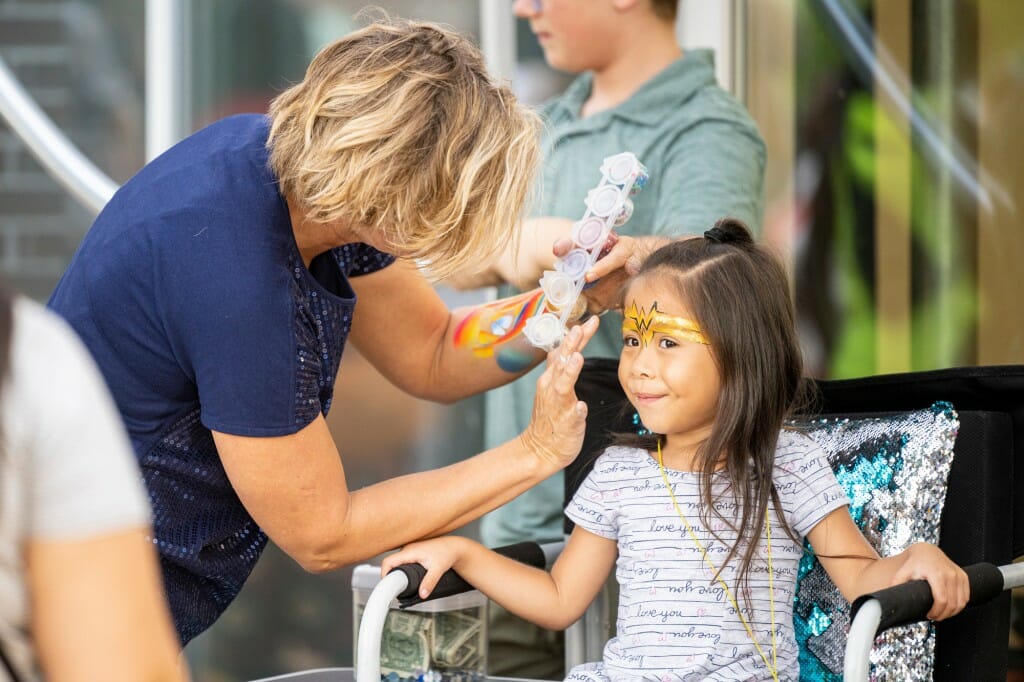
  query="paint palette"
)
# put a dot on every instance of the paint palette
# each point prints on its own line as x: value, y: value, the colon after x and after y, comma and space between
x: 608, y: 206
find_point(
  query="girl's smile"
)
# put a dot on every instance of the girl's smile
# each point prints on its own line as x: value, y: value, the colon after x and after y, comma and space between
x: 666, y: 366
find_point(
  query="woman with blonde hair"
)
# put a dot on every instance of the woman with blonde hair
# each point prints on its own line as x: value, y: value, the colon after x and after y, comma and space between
x: 217, y: 289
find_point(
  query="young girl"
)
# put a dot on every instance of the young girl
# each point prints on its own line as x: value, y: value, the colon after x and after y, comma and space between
x: 703, y: 519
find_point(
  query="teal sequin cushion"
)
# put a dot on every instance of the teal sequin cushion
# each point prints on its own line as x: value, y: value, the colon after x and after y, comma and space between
x: 894, y: 469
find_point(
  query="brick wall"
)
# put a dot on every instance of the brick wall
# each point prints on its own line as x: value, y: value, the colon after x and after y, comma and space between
x: 56, y: 49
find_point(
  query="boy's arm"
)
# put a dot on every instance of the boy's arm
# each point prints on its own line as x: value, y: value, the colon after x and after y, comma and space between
x: 711, y: 171
x: 552, y: 600
x: 519, y: 264
x: 856, y: 569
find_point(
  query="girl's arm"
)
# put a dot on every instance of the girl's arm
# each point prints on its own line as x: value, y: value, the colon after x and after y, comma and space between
x: 552, y: 600
x: 856, y: 568
x: 98, y: 610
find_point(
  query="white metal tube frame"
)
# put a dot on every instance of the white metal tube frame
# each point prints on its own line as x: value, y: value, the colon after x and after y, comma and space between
x: 165, y: 115
x: 371, y: 628
x: 78, y: 175
x: 167, y: 81
x: 866, y: 621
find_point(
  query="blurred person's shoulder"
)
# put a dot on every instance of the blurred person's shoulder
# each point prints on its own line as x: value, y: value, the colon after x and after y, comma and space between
x: 693, y: 78
x: 41, y: 339
x: 63, y: 430
x: 50, y: 368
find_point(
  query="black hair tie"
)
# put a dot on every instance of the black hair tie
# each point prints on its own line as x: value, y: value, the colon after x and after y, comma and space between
x: 716, y: 235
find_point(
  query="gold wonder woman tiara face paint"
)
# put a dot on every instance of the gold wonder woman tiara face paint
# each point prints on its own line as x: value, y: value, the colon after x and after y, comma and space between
x: 646, y: 324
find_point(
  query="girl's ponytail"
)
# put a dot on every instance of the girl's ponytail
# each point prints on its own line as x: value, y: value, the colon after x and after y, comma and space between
x: 729, y: 231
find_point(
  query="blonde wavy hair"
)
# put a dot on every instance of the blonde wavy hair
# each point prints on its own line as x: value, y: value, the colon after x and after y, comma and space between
x: 398, y: 128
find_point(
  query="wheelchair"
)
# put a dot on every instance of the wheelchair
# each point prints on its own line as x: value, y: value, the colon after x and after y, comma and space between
x: 981, y: 525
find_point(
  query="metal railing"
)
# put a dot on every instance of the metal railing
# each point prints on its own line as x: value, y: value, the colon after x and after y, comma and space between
x: 166, y: 115
x: 87, y: 184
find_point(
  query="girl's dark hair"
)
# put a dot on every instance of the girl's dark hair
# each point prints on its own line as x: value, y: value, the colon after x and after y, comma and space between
x: 739, y: 294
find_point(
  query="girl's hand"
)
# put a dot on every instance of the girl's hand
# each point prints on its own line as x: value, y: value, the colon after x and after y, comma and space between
x: 950, y: 589
x: 436, y: 555
x: 555, y: 432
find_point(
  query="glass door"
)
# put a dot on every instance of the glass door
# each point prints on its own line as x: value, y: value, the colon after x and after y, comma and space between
x: 894, y: 179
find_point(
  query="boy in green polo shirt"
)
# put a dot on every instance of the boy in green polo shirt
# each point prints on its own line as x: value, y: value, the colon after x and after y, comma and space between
x: 639, y: 92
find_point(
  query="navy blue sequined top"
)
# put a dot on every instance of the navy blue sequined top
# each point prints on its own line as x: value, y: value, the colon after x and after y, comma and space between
x: 190, y: 292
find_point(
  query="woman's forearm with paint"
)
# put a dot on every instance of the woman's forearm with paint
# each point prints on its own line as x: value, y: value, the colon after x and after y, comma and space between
x: 495, y: 330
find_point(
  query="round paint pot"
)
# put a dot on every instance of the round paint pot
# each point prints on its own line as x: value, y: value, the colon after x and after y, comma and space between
x: 620, y: 168
x: 574, y: 264
x: 559, y: 288
x: 640, y: 181
x: 626, y: 171
x: 604, y: 200
x: 588, y: 233
x: 544, y: 330
x: 625, y: 213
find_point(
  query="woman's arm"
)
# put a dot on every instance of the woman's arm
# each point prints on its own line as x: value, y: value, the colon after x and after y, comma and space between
x: 408, y: 333
x: 98, y: 611
x: 856, y: 568
x: 552, y: 600
x: 295, y: 488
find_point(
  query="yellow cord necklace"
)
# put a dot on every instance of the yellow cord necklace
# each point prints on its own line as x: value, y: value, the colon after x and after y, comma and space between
x: 773, y: 667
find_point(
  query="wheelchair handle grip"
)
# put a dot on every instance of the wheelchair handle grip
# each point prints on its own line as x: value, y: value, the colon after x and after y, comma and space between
x: 911, y: 601
x: 529, y: 553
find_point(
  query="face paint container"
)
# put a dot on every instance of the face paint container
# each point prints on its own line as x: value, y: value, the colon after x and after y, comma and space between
x: 588, y: 233
x: 626, y: 171
x: 640, y: 181
x: 544, y: 330
x: 620, y: 169
x: 603, y: 200
x: 574, y: 264
x: 625, y: 213
x: 559, y: 288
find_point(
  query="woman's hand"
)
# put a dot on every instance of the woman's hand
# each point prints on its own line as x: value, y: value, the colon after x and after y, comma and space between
x: 436, y: 555
x: 555, y: 432
x: 619, y: 260
x: 950, y: 588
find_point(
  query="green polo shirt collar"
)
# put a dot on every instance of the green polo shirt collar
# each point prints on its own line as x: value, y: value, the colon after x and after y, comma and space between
x: 676, y: 83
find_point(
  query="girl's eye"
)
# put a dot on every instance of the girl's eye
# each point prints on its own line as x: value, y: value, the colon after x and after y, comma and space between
x: 665, y: 342
x: 630, y: 342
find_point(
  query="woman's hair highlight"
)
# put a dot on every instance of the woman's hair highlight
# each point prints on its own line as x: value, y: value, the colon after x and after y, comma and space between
x: 398, y: 128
